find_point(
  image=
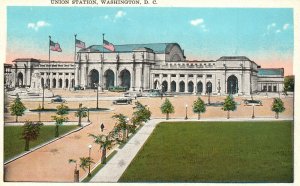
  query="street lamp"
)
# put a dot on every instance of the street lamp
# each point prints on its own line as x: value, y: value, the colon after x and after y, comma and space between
x: 186, y: 106
x: 97, y: 85
x: 90, y: 148
x: 88, y: 116
x: 43, y: 97
x: 253, y: 112
x: 208, y: 91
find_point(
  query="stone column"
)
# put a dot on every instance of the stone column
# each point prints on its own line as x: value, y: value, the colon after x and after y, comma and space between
x: 169, y: 83
x: 186, y: 83
x: 195, y: 84
x: 204, y: 86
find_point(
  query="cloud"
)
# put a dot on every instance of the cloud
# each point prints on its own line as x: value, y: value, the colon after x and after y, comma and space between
x: 106, y: 17
x: 196, y: 22
x: 36, y: 26
x: 286, y: 26
x: 270, y: 26
x: 120, y: 14
x: 278, y: 31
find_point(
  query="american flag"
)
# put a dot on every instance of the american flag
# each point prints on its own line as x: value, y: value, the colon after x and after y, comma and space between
x: 55, y: 46
x: 79, y: 44
x: 108, y: 45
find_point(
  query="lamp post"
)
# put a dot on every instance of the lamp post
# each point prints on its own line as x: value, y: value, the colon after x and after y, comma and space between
x: 43, y: 97
x: 97, y: 85
x: 186, y: 106
x: 208, y: 91
x: 88, y: 116
x: 224, y: 64
x: 253, y: 112
x: 39, y: 112
x: 90, y: 148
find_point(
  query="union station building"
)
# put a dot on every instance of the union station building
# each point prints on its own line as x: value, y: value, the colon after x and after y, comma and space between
x: 140, y: 67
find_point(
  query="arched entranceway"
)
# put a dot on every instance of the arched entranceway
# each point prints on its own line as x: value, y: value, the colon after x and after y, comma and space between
x: 173, y: 86
x: 164, y: 87
x: 93, y: 78
x: 109, y: 76
x: 209, y: 87
x: 181, y: 86
x: 232, y: 85
x: 60, y: 83
x: 54, y: 83
x: 156, y: 84
x: 66, y: 83
x: 72, y: 83
x: 20, y: 80
x: 190, y: 86
x: 199, y: 87
x: 42, y: 82
x: 48, y: 83
x: 125, y: 78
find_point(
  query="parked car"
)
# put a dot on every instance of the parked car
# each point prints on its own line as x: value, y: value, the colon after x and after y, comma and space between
x: 117, y: 89
x: 122, y: 101
x: 78, y: 87
x: 250, y: 102
x: 58, y: 99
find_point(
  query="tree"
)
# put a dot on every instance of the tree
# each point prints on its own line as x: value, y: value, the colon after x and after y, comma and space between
x: 122, y: 125
x: 60, y: 117
x: 31, y: 132
x: 105, y: 142
x: 81, y: 113
x: 199, y: 107
x: 229, y: 105
x: 85, y: 162
x: 76, y: 171
x: 141, y: 114
x: 277, y: 107
x: 17, y: 108
x: 289, y: 83
x: 167, y: 108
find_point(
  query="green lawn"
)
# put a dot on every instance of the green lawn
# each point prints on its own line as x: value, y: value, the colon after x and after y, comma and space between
x: 215, y: 152
x: 13, y: 145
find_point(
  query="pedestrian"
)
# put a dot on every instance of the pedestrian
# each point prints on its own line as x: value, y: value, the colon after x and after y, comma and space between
x: 102, y: 127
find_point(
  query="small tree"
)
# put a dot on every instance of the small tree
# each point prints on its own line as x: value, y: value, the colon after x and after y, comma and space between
x: 141, y: 114
x: 85, y: 162
x: 167, y: 108
x: 105, y: 142
x: 60, y: 117
x: 229, y: 105
x: 277, y: 107
x: 81, y: 113
x: 199, y: 107
x: 76, y: 171
x: 122, y: 125
x: 17, y: 108
x: 289, y: 83
x: 31, y: 132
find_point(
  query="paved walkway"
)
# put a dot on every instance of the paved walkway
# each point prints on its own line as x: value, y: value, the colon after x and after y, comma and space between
x: 114, y: 169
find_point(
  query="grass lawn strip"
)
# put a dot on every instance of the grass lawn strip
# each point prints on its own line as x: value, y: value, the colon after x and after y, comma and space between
x: 13, y: 145
x: 215, y: 152
x: 98, y: 167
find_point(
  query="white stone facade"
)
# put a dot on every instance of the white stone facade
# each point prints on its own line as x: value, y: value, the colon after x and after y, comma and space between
x: 149, y: 66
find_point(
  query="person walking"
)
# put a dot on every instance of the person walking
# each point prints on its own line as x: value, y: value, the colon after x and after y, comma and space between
x: 102, y: 127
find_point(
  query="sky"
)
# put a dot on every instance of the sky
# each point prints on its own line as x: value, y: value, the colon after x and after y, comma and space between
x: 264, y: 35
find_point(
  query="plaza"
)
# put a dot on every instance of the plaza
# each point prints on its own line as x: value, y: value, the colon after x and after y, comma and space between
x: 50, y: 163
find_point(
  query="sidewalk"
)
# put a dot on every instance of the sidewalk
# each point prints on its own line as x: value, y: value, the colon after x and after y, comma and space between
x: 114, y: 169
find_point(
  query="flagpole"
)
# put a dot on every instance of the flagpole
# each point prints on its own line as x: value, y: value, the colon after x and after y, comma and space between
x: 102, y: 61
x: 74, y: 61
x: 48, y: 75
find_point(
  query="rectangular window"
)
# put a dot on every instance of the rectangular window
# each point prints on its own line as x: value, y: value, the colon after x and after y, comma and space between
x: 209, y: 76
x: 67, y: 74
x: 181, y: 75
x: 42, y: 73
x: 191, y: 75
x: 73, y: 74
x: 48, y: 73
x: 173, y: 75
x: 200, y: 75
x: 54, y: 73
x: 156, y: 75
x: 265, y: 88
x: 60, y: 73
x: 274, y: 88
x: 165, y: 75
